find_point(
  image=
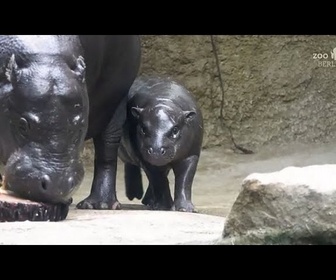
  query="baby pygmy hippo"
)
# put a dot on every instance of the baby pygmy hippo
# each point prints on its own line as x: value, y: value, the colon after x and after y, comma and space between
x: 163, y: 131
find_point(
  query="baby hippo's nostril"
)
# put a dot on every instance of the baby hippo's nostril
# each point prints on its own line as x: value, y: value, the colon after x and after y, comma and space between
x: 150, y: 151
x: 163, y: 151
x: 45, y: 182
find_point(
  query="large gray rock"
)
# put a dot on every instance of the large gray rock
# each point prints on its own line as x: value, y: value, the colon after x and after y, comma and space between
x: 296, y: 205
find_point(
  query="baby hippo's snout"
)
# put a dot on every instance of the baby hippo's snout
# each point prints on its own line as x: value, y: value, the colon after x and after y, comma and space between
x: 160, y: 151
x: 158, y: 155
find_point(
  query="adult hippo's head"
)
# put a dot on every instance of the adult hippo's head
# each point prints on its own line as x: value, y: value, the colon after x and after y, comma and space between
x: 45, y: 111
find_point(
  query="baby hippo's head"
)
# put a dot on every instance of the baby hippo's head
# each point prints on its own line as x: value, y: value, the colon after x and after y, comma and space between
x: 163, y: 132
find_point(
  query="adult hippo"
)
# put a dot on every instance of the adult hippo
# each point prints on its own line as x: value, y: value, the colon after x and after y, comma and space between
x: 56, y: 92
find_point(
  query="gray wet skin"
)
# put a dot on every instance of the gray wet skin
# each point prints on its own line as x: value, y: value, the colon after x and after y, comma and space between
x: 163, y: 132
x: 56, y: 92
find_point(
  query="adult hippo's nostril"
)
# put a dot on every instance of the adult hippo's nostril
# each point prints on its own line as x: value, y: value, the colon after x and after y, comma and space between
x: 163, y: 151
x: 45, y: 182
x: 150, y: 151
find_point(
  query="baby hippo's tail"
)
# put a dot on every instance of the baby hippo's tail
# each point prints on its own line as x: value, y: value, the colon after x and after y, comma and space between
x: 133, y: 181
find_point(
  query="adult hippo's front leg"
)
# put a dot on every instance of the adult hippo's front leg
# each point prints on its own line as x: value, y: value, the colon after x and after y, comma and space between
x: 103, y: 191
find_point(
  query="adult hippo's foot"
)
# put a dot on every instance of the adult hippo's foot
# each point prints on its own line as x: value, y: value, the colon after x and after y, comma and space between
x: 96, y: 203
x: 184, y: 206
x: 103, y: 194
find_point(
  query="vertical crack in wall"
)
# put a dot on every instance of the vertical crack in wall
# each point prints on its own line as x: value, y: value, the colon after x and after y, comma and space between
x: 221, y: 112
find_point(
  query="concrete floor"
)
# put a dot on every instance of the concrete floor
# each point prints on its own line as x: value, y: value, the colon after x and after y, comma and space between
x: 216, y: 185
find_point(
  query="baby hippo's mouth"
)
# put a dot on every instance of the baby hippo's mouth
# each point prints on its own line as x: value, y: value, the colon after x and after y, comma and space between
x: 157, y: 160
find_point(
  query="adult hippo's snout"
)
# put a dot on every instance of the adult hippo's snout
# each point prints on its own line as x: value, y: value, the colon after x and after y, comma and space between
x: 42, y: 180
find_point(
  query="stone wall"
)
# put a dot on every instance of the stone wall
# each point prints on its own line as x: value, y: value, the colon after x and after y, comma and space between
x: 275, y: 92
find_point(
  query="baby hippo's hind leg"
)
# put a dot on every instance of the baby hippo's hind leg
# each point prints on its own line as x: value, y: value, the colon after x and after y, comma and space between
x: 148, y: 198
x: 133, y: 181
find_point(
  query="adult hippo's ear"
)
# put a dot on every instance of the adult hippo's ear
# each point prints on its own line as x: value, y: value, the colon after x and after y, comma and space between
x: 189, y: 115
x: 136, y: 112
x: 79, y: 70
x: 12, y: 71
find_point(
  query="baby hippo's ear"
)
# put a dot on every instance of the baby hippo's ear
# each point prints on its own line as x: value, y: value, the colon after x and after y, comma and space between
x: 79, y: 70
x: 136, y: 112
x: 12, y: 71
x: 189, y: 115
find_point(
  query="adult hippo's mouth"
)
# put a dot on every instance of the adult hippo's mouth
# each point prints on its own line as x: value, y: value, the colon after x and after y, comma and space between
x: 13, y: 208
x: 42, y: 180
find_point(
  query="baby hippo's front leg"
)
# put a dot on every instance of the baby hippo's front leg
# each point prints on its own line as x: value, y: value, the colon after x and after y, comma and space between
x: 158, y: 195
x: 184, y: 175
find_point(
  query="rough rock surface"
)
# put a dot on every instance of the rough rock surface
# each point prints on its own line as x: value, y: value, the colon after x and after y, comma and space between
x: 293, y: 206
x: 275, y: 91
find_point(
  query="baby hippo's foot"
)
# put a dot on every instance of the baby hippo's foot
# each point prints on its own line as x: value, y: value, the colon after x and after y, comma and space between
x: 164, y: 203
x: 184, y: 206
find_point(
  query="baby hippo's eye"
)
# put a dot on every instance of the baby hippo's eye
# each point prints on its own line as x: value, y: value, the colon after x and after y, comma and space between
x: 23, y: 126
x: 175, y: 131
x: 143, y: 130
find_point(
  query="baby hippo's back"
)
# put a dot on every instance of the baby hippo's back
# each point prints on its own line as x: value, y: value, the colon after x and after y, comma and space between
x: 153, y: 90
